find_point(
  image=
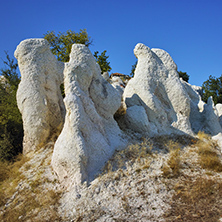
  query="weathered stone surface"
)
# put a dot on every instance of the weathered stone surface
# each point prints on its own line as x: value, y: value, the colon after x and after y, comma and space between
x: 198, y: 89
x: 105, y: 75
x: 117, y: 83
x: 39, y: 98
x: 211, y: 123
x: 171, y: 104
x: 90, y: 134
x: 155, y: 102
x: 156, y: 86
x: 196, y: 118
x: 219, y: 112
x: 137, y: 119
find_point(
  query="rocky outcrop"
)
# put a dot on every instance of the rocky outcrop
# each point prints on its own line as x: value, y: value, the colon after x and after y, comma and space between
x: 90, y: 134
x: 203, y: 116
x: 158, y: 102
x: 117, y: 83
x: 39, y: 98
x: 154, y: 102
x: 219, y: 112
x: 197, y: 117
x: 157, y: 90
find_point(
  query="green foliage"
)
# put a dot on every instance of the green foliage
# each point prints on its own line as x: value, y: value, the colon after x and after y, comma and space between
x: 184, y: 76
x: 133, y: 69
x: 213, y: 87
x: 11, y: 129
x: 61, y: 44
x: 102, y: 61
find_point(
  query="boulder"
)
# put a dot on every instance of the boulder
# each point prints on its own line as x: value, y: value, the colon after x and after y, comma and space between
x: 38, y: 97
x: 90, y: 134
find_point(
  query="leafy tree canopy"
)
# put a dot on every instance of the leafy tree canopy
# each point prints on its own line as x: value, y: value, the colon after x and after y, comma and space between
x: 11, y: 128
x: 184, y: 76
x: 102, y: 60
x: 213, y: 87
x: 61, y: 43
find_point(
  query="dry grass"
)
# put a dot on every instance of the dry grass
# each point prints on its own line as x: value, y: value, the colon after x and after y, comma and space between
x: 30, y: 201
x: 4, y: 171
x: 31, y: 205
x: 173, y: 165
x: 135, y: 153
x: 163, y: 142
x: 196, y: 199
x: 9, y: 178
x: 209, y: 155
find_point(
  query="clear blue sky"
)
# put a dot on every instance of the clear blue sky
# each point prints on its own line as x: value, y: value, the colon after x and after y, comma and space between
x: 190, y: 30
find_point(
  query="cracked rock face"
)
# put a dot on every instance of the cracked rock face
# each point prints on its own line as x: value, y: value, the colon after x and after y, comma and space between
x: 38, y: 97
x: 90, y: 134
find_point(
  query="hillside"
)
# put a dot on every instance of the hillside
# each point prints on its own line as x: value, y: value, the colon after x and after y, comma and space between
x: 147, y: 149
x: 161, y: 179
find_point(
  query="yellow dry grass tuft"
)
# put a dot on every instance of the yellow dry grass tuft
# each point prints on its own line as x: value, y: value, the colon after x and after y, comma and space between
x: 173, y: 165
x: 135, y: 153
x: 209, y: 155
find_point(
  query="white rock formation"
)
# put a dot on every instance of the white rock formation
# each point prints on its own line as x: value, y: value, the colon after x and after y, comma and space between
x: 157, y: 88
x: 90, y: 134
x: 197, y: 118
x: 106, y: 75
x: 219, y: 112
x: 117, y: 83
x: 198, y: 89
x: 155, y: 102
x: 211, y: 123
x: 158, y: 102
x: 203, y: 117
x: 39, y: 98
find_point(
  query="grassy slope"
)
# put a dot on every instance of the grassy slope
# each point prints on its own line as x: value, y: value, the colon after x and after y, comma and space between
x: 162, y: 179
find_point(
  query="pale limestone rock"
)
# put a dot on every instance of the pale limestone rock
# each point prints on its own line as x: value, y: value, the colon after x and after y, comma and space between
x: 197, y: 117
x: 106, y: 76
x: 198, y: 89
x: 203, y: 117
x: 219, y: 111
x: 117, y: 83
x: 90, y: 134
x: 218, y: 139
x: 211, y: 124
x: 156, y: 86
x: 39, y: 98
x: 137, y: 119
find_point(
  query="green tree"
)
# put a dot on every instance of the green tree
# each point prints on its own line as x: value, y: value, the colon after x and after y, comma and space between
x: 184, y: 76
x: 133, y: 69
x: 213, y: 87
x: 61, y: 43
x: 11, y: 128
x: 102, y: 60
